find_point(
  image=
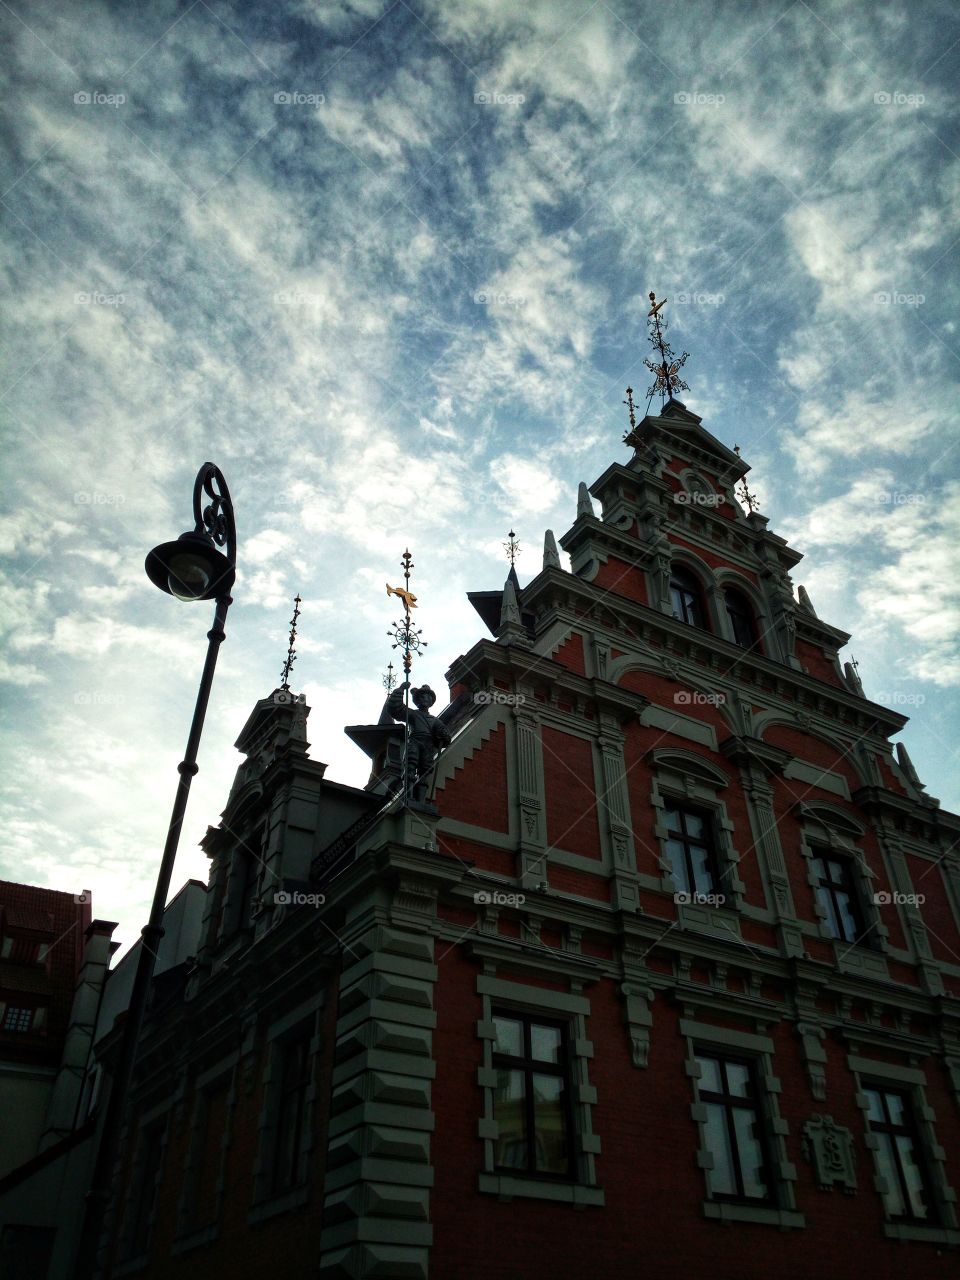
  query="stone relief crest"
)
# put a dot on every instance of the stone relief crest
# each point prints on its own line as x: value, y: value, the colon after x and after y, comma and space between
x: 829, y: 1148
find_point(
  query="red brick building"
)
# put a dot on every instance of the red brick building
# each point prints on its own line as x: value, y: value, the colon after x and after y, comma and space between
x: 42, y: 940
x: 667, y: 982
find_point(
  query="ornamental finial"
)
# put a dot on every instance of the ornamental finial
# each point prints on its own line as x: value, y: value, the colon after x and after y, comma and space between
x: 291, y: 652
x: 405, y: 636
x: 666, y: 371
x: 512, y: 548
x: 631, y: 437
x: 748, y: 499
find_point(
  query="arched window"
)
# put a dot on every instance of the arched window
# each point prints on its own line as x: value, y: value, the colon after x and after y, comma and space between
x: 687, y: 598
x: 743, y: 625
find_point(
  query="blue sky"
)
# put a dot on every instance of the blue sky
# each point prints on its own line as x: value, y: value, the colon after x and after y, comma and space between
x: 386, y: 265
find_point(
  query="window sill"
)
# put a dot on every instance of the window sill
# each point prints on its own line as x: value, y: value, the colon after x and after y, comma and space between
x: 273, y: 1205
x: 508, y: 1185
x: 205, y: 1235
x: 860, y: 960
x: 729, y: 1213
x: 718, y: 921
x: 132, y: 1265
x: 929, y: 1235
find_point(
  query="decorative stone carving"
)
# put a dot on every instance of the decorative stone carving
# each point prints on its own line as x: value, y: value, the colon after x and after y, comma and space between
x: 829, y: 1148
x: 620, y: 846
x: 639, y: 1020
x: 814, y: 1058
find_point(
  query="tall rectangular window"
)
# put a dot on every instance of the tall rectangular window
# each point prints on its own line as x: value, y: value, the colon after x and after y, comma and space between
x: 531, y: 1101
x: 899, y: 1155
x: 733, y: 1131
x: 209, y: 1166
x: 837, y: 895
x: 690, y: 848
x: 290, y: 1151
x: 145, y: 1193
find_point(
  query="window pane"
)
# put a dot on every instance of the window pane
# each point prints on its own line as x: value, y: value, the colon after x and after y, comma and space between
x: 751, y: 1154
x: 694, y: 825
x: 848, y: 921
x: 550, y: 1123
x: 672, y: 819
x: 721, y: 1179
x: 738, y: 1080
x: 819, y: 868
x: 510, y: 1114
x: 678, y: 865
x: 837, y: 872
x: 509, y: 1037
x: 710, y: 1075
x: 892, y: 1197
x: 825, y: 898
x: 895, y: 1108
x: 702, y: 872
x: 545, y: 1043
x: 912, y: 1176
x: 874, y: 1105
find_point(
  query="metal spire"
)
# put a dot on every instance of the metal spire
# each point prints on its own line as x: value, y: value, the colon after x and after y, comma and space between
x: 512, y: 548
x: 389, y: 677
x: 291, y: 652
x: 404, y: 635
x: 666, y: 373
x: 743, y: 493
x: 631, y: 437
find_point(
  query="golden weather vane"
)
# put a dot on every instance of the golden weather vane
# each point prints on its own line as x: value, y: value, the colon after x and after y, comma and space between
x: 404, y: 635
x: 291, y: 652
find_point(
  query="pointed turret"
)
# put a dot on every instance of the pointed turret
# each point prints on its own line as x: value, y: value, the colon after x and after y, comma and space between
x: 852, y: 678
x: 805, y: 602
x: 906, y: 764
x: 584, y: 501
x: 551, y: 555
x: 511, y: 629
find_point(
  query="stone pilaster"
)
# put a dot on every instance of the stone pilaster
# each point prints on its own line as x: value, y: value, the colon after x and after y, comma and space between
x: 911, y: 915
x: 532, y: 803
x: 615, y: 807
x: 377, y: 1204
x: 758, y: 794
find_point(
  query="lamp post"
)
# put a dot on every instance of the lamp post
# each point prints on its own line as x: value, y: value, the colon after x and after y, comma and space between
x: 190, y: 568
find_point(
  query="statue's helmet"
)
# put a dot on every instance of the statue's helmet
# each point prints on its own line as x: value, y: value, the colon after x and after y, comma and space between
x: 423, y: 697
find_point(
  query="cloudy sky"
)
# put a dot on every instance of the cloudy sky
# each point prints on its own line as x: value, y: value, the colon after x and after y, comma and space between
x: 386, y: 265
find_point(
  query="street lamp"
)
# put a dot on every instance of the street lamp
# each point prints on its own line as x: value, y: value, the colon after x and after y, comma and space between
x: 190, y: 568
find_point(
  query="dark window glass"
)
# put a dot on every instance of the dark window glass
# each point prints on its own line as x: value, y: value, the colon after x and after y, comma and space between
x: 146, y: 1191
x: 690, y: 849
x: 205, y: 1201
x: 837, y: 895
x: 290, y: 1165
x: 531, y: 1103
x: 250, y: 853
x: 742, y: 621
x: 733, y: 1130
x: 17, y: 1018
x: 687, y: 598
x: 899, y: 1155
